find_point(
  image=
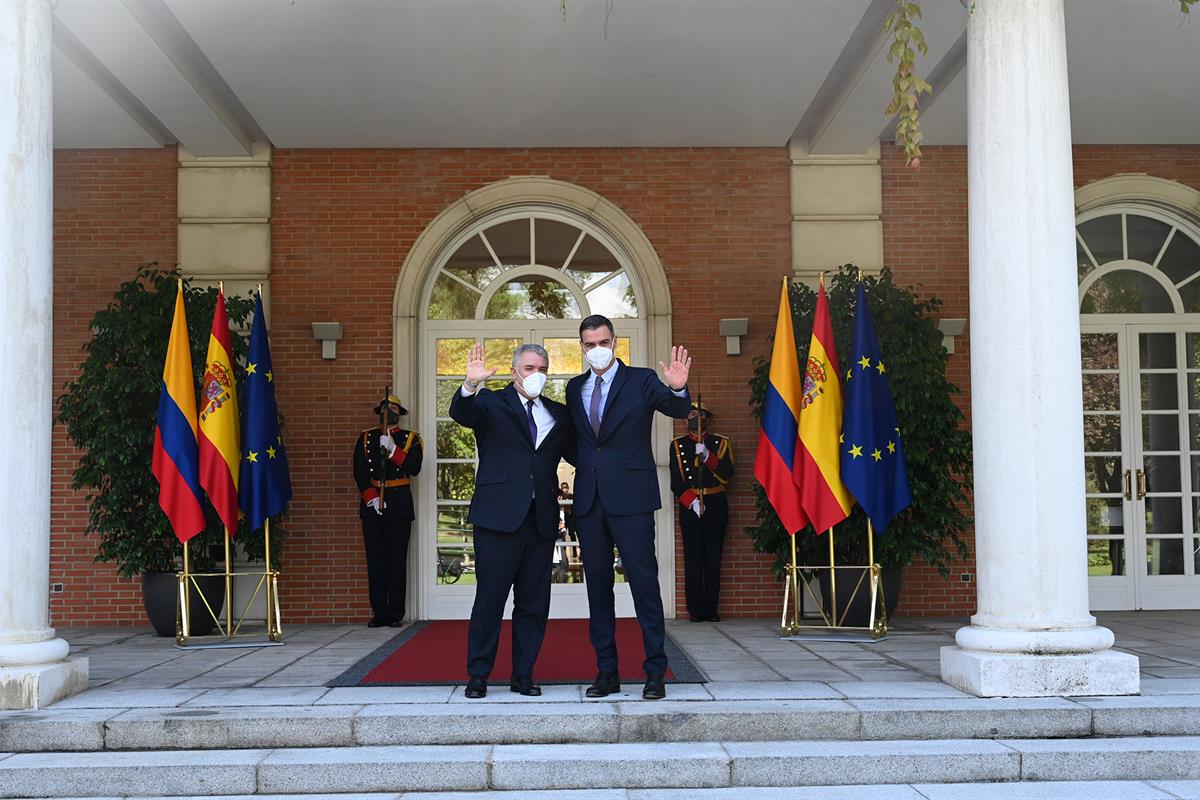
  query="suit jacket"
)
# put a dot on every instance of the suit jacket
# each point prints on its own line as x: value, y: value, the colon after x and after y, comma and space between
x: 404, y: 463
x: 620, y: 458
x: 511, y: 471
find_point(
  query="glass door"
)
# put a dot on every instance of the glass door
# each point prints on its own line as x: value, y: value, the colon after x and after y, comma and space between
x: 1142, y: 461
x: 452, y: 460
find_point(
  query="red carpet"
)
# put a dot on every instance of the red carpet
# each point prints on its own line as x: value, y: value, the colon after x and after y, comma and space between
x: 437, y: 654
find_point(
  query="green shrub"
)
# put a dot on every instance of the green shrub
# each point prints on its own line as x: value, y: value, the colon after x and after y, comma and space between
x: 936, y: 444
x: 110, y: 411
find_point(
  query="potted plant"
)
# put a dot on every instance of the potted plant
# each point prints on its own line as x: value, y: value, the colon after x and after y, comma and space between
x: 937, y: 447
x: 109, y: 411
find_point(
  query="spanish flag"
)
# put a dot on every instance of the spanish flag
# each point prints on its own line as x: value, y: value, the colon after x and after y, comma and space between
x: 825, y: 498
x: 176, y: 463
x: 220, y: 448
x: 778, y: 451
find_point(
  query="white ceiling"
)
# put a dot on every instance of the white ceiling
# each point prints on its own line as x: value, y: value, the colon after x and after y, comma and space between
x: 214, y: 74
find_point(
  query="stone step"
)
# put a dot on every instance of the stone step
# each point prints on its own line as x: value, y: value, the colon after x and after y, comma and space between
x: 525, y: 768
x: 1023, y: 790
x: 263, y: 727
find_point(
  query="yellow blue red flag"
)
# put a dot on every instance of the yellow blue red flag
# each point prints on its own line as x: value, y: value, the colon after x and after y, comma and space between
x: 176, y: 462
x: 220, y: 449
x: 778, y: 444
x: 824, y: 497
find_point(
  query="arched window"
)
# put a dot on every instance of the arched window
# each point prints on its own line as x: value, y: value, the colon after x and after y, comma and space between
x: 1137, y: 261
x: 532, y: 265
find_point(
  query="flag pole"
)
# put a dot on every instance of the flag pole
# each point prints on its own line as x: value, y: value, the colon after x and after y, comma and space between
x: 833, y: 615
x: 183, y: 622
x: 795, y: 586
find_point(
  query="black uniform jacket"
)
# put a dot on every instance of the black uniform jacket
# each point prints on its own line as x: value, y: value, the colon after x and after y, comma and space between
x: 688, y: 476
x: 397, y: 472
x: 511, y: 471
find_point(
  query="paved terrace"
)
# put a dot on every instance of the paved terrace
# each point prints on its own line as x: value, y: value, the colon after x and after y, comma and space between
x: 742, y: 659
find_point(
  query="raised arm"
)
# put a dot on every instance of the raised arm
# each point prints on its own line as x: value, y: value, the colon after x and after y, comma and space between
x: 464, y: 409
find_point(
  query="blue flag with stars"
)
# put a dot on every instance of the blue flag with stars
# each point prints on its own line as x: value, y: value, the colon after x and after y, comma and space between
x: 264, y: 485
x: 872, y: 454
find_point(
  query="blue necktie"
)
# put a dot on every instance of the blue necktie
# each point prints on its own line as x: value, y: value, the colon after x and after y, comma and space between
x: 532, y: 424
x: 594, y: 411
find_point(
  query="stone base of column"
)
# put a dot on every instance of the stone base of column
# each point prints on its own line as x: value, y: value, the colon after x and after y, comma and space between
x: 1017, y: 675
x: 40, y: 685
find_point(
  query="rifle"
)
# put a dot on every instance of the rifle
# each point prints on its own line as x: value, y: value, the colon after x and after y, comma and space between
x: 383, y: 428
x: 700, y: 434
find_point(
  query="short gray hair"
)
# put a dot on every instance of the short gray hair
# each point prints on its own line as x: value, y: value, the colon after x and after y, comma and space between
x: 536, y: 349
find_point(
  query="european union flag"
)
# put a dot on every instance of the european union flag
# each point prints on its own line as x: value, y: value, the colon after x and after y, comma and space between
x: 264, y: 484
x: 872, y: 454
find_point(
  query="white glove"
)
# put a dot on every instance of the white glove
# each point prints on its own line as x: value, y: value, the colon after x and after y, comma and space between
x: 695, y: 507
x: 701, y: 450
x: 375, y: 504
x: 387, y: 444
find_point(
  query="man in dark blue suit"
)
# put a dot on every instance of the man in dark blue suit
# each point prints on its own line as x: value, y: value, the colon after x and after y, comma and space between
x: 616, y: 492
x: 521, y: 436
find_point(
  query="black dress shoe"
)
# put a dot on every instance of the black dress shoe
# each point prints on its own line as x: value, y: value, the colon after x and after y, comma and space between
x: 395, y: 623
x: 523, y: 684
x: 606, y: 683
x: 654, y: 688
x: 476, y: 688
x: 694, y: 618
x: 378, y: 622
x: 714, y: 618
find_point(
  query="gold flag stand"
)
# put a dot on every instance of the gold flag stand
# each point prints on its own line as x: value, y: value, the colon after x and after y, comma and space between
x: 832, y: 623
x: 268, y: 582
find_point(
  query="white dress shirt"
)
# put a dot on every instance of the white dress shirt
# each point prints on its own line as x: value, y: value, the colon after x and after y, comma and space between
x: 542, y: 417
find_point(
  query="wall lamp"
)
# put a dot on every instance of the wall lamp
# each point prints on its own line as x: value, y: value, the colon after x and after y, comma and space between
x: 951, y: 328
x: 733, y: 330
x: 327, y: 333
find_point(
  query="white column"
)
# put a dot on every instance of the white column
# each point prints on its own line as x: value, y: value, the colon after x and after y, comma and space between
x: 1033, y: 634
x: 33, y: 669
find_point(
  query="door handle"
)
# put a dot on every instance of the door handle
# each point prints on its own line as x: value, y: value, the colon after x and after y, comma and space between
x: 1141, y: 484
x: 1128, y: 485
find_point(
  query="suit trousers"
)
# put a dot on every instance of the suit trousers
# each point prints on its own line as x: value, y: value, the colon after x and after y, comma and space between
x: 702, y: 544
x: 633, y: 536
x: 520, y: 561
x: 386, y: 543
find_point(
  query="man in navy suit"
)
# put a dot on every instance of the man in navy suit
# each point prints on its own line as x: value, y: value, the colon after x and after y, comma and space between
x: 616, y: 492
x: 521, y: 436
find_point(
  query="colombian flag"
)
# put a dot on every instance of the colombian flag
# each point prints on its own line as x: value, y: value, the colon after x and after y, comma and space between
x: 220, y: 448
x: 176, y: 460
x: 825, y: 498
x: 778, y: 451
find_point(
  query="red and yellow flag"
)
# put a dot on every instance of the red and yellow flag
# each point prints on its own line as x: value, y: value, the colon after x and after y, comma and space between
x: 220, y: 446
x: 817, y: 472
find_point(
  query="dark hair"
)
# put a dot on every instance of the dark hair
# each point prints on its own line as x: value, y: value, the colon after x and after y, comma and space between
x: 596, y: 322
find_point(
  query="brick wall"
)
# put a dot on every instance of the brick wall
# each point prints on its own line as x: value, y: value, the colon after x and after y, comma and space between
x: 343, y: 221
x: 114, y: 211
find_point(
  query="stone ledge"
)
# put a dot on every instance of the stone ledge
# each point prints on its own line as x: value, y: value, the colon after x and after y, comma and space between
x: 40, y: 685
x: 1010, y: 675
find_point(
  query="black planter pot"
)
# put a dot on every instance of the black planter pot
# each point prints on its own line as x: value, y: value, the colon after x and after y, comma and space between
x: 859, y: 615
x: 159, y: 590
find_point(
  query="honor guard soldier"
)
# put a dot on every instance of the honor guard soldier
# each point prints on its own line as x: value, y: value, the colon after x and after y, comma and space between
x: 386, y: 457
x: 701, y: 466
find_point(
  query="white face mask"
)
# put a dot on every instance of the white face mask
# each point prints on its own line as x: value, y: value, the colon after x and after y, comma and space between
x: 533, y: 384
x: 599, y: 357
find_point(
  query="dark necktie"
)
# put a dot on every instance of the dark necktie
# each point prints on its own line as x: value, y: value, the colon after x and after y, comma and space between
x: 594, y: 410
x: 532, y: 424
